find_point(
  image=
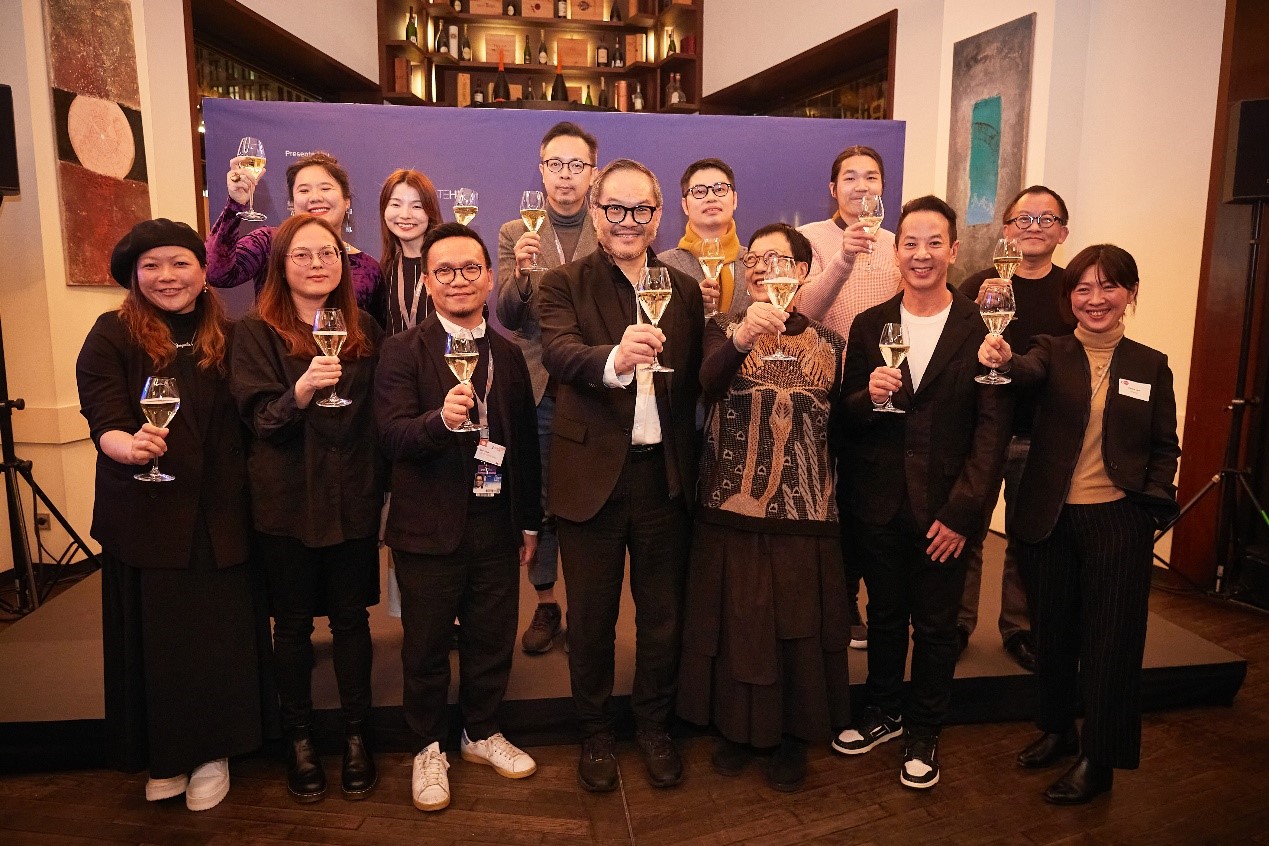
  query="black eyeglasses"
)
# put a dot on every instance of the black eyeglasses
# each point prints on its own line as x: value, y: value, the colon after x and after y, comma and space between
x: 575, y: 166
x: 304, y: 258
x: 720, y: 189
x: 1046, y: 220
x: 751, y: 259
x: 616, y: 213
x: 446, y: 275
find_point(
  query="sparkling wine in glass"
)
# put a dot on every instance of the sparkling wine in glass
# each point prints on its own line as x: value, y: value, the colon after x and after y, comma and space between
x: 871, y: 213
x: 653, y: 291
x: 330, y: 332
x: 781, y: 283
x: 533, y: 213
x: 251, y: 151
x: 712, y: 262
x: 1007, y: 256
x: 996, y: 304
x: 159, y: 403
x: 465, y: 205
x: 894, y: 349
x: 462, y: 355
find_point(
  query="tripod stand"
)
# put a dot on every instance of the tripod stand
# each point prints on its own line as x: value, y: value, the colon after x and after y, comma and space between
x: 1231, y: 478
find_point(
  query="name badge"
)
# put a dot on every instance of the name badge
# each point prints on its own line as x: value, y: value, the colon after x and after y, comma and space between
x: 491, y: 453
x: 1136, y: 390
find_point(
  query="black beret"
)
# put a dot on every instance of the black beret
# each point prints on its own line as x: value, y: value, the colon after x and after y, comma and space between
x: 147, y: 235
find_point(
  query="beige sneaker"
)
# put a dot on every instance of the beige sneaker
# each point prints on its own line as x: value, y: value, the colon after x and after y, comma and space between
x: 165, y: 788
x: 508, y: 760
x: 208, y: 784
x: 429, y: 785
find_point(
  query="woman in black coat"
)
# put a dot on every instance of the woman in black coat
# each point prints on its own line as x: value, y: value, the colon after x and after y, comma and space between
x: 1091, y: 498
x: 317, y: 487
x: 179, y: 634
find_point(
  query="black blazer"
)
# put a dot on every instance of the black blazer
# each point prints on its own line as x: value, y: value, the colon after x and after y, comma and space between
x: 153, y: 525
x: 1139, y: 441
x: 945, y: 456
x: 433, y: 467
x: 584, y: 308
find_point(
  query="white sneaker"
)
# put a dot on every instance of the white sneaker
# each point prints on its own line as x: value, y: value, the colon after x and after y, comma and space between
x: 508, y: 760
x: 165, y: 788
x: 429, y: 785
x: 208, y: 784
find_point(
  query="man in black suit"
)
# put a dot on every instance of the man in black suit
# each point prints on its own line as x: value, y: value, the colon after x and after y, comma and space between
x: 623, y: 465
x: 465, y: 511
x: 917, y: 484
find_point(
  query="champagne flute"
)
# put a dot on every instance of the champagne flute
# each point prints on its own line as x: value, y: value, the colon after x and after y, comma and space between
x: 159, y: 402
x: 330, y: 333
x: 251, y: 151
x: 712, y: 262
x: 533, y: 213
x: 465, y: 205
x: 871, y: 212
x: 894, y: 349
x: 462, y: 355
x: 1007, y: 256
x: 996, y: 304
x: 781, y: 283
x: 653, y: 292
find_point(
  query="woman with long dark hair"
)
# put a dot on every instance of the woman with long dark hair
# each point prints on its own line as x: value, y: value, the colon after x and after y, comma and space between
x: 408, y: 210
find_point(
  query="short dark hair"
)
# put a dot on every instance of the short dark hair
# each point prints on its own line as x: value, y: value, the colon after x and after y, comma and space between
x: 568, y: 128
x: 929, y: 203
x: 857, y: 150
x: 798, y: 242
x: 1116, y: 264
x: 1038, y: 189
x: 326, y: 162
x: 597, y: 187
x: 453, y: 230
x: 705, y: 164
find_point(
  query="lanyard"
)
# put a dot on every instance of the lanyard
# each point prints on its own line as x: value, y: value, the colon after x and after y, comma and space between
x: 408, y: 318
x: 482, y: 405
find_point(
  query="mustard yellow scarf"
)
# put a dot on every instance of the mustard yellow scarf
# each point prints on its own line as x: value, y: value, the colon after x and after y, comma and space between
x: 731, y: 249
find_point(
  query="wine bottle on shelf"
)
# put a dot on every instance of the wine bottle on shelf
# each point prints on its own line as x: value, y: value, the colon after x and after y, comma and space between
x: 501, y: 88
x: 587, y: 101
x: 561, y: 8
x: 619, y: 52
x: 543, y: 57
x: 477, y: 91
x: 453, y: 40
x: 672, y: 48
x: 615, y: 17
x: 528, y: 89
x: 442, y: 39
x: 559, y: 91
x: 636, y: 99
x: 464, y: 46
x: 601, y: 52
x: 674, y: 93
x: 603, y: 90
x: 411, y: 28
x: 528, y: 53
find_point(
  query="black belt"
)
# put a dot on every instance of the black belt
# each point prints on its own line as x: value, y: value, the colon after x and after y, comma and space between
x: 639, y: 452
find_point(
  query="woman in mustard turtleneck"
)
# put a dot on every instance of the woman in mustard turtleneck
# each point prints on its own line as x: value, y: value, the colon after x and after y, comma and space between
x: 1091, y: 498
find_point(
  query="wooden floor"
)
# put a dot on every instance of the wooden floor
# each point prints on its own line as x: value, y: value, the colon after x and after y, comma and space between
x: 1203, y: 779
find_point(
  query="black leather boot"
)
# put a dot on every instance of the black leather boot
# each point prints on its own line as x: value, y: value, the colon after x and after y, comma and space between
x: 305, y: 779
x: 1081, y: 783
x: 1048, y: 749
x: 358, y: 775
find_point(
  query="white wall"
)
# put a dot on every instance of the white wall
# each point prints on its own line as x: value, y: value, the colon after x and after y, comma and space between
x: 345, y: 30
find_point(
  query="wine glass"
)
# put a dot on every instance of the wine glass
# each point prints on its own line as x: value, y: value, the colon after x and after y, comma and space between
x: 781, y: 283
x: 996, y: 304
x: 159, y: 402
x: 330, y: 332
x: 871, y: 212
x: 251, y: 151
x: 1007, y: 256
x: 462, y: 355
x: 533, y: 213
x: 712, y: 262
x: 465, y: 205
x: 894, y: 349
x: 653, y: 291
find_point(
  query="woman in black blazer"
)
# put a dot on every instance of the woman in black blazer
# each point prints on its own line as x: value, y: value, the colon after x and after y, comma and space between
x: 1097, y: 484
x: 179, y: 628
x: 317, y: 487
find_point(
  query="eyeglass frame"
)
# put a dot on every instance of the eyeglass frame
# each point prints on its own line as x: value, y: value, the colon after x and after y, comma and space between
x: 294, y: 256
x: 766, y: 258
x: 718, y: 189
x: 550, y: 164
x: 627, y: 211
x: 454, y: 272
x: 1038, y: 221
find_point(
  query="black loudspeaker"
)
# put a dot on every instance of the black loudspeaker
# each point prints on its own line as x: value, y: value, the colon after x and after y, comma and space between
x: 1251, y: 157
x: 8, y: 145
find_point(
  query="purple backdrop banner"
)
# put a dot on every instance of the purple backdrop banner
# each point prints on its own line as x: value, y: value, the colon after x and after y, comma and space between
x: 781, y: 164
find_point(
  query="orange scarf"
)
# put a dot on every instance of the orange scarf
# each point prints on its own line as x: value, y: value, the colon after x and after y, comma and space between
x: 731, y: 249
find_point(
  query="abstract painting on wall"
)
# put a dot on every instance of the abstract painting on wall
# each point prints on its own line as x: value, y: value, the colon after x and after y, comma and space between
x: 103, y: 187
x: 991, y: 104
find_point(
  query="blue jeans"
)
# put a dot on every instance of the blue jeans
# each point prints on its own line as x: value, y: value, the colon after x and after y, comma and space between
x: 544, y: 570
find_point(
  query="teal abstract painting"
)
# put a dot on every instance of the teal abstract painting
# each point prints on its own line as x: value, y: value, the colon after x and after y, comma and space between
x: 984, y: 161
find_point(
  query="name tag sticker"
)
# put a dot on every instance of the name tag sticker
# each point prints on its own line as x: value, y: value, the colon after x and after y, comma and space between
x: 493, y: 453
x: 1136, y: 390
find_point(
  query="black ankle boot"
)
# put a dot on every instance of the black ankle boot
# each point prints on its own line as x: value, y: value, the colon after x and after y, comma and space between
x: 305, y: 779
x: 358, y: 775
x: 1081, y: 783
x: 786, y: 771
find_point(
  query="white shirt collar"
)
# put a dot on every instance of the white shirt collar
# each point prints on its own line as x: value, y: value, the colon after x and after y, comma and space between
x: 451, y: 328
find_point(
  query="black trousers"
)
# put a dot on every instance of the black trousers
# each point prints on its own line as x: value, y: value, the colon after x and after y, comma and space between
x: 906, y: 586
x: 640, y: 517
x: 479, y: 583
x: 303, y: 583
x: 1091, y: 579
